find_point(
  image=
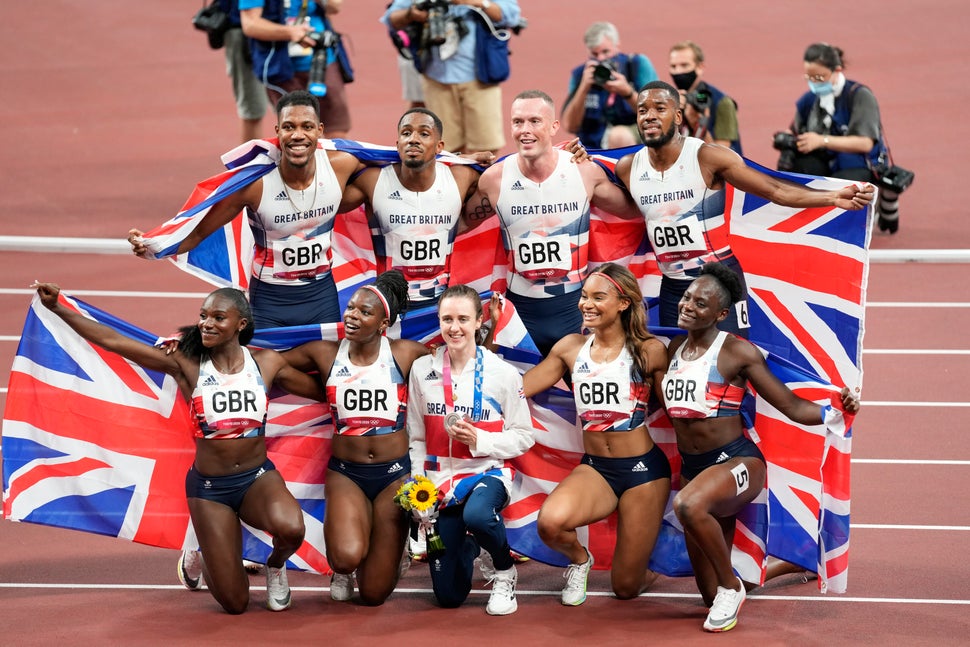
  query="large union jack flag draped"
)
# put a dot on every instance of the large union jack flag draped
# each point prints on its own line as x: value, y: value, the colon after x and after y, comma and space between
x: 94, y: 443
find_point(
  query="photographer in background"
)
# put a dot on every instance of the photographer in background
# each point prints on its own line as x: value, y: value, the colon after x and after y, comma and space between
x: 601, y: 105
x: 471, y: 111
x: 837, y: 130
x: 251, y: 103
x: 285, y: 35
x: 709, y: 114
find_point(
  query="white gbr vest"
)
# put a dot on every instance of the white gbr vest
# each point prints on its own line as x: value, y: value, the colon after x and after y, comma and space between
x: 230, y: 405
x: 673, y: 205
x: 418, y: 228
x: 545, y: 226
x: 292, y: 228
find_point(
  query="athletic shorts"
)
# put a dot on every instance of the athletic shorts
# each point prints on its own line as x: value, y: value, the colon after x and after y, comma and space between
x: 229, y: 490
x: 623, y: 474
x: 275, y: 306
x: 549, y: 320
x: 694, y: 464
x: 372, y: 478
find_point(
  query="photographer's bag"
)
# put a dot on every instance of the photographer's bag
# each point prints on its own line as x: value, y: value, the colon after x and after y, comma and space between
x: 491, y: 53
x: 214, y: 21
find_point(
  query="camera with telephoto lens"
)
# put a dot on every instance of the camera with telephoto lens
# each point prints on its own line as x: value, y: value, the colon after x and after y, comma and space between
x: 603, y: 72
x: 317, y: 85
x: 437, y: 13
x: 699, y: 98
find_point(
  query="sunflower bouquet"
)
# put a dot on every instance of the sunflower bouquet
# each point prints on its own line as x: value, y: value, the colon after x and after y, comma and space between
x: 419, y: 495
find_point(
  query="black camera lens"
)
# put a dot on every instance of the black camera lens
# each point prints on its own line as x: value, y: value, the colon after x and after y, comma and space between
x: 602, y: 73
x: 784, y: 141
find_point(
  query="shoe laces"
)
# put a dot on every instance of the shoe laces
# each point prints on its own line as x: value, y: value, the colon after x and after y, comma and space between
x: 502, y: 584
x: 725, y: 602
x: 576, y: 575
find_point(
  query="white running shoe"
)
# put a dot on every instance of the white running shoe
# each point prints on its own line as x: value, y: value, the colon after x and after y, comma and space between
x: 419, y: 548
x: 189, y: 569
x: 486, y: 565
x: 724, y: 612
x: 502, y: 601
x: 277, y: 589
x: 341, y: 586
x: 574, y: 592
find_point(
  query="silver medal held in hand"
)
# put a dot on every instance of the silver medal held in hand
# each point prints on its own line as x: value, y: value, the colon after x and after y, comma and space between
x: 452, y: 419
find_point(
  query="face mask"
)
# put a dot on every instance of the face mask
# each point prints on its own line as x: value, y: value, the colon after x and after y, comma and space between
x: 821, y: 89
x: 685, y: 80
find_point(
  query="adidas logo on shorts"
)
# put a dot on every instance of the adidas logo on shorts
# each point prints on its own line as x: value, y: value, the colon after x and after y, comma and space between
x: 723, y: 457
x: 396, y: 467
x: 640, y: 467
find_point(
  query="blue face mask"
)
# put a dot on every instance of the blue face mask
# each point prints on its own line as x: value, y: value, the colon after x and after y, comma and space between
x: 821, y: 89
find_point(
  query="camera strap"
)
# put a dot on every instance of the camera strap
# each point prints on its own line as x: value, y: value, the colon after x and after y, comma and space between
x: 500, y: 34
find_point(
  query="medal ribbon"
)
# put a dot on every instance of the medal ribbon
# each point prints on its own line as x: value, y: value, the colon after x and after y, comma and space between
x: 479, y: 378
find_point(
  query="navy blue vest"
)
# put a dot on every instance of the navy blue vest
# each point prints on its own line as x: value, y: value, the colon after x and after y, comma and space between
x: 840, y: 127
x: 716, y: 96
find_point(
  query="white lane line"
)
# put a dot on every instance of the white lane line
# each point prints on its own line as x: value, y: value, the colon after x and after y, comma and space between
x: 917, y: 304
x: 906, y: 461
x: 519, y: 591
x: 915, y: 351
x: 924, y: 403
x: 898, y: 526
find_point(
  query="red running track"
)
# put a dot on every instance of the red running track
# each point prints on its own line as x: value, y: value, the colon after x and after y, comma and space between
x: 111, y: 131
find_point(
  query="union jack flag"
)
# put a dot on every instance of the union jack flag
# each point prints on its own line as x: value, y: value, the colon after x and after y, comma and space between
x: 806, y: 270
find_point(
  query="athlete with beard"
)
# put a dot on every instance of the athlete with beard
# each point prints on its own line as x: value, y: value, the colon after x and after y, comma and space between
x: 291, y: 212
x: 678, y: 183
x: 415, y: 206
